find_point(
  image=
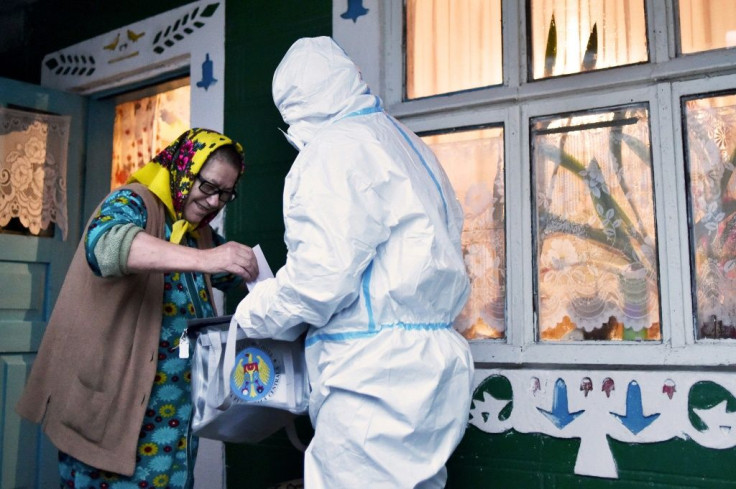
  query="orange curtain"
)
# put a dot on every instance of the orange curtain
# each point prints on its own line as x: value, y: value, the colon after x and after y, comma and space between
x: 144, y: 127
x: 452, y: 45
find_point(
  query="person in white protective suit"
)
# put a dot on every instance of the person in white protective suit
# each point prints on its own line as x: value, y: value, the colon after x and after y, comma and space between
x: 375, y: 271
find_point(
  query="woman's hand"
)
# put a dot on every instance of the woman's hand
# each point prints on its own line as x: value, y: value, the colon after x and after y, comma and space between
x: 231, y: 257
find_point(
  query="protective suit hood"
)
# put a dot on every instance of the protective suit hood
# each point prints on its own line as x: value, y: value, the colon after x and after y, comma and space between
x: 315, y: 84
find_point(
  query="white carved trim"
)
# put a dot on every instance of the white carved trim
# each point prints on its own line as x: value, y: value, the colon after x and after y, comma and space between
x: 625, y: 405
x: 191, y: 36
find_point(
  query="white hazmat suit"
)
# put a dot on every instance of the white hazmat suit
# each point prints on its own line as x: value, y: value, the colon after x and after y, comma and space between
x: 375, y: 271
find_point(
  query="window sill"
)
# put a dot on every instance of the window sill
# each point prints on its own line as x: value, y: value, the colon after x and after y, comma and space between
x: 494, y: 354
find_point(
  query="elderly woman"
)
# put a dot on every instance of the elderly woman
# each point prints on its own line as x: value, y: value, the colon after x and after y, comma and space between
x: 108, y: 384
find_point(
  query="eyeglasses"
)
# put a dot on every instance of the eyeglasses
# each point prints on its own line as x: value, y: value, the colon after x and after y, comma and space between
x: 209, y: 188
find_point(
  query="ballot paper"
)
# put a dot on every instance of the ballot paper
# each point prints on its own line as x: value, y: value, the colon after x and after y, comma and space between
x: 264, y: 271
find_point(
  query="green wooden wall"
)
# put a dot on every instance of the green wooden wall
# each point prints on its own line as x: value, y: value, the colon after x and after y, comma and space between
x: 532, y: 461
x: 258, y: 34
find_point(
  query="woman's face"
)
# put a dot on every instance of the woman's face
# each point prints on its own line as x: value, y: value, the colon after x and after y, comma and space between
x: 217, y: 172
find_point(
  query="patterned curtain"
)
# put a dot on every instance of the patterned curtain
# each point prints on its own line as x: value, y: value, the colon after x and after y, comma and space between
x: 144, y: 127
x: 474, y: 163
x: 33, y: 157
x: 711, y: 153
x: 596, y: 242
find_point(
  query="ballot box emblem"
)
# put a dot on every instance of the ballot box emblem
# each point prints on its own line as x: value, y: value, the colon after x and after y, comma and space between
x: 255, y: 374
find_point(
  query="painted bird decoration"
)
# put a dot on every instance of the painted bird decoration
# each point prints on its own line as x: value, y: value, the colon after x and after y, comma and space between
x: 251, y: 376
x: 113, y: 44
x: 134, y: 36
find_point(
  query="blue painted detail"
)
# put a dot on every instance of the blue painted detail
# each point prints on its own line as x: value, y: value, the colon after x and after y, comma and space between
x: 354, y: 335
x: 367, y: 294
x: 560, y: 414
x: 207, y: 77
x: 634, y: 419
x: 355, y: 10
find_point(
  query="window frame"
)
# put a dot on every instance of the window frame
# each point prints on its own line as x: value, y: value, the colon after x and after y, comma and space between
x: 660, y: 84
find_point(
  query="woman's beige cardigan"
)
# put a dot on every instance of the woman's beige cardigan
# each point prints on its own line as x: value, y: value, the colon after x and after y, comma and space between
x: 91, y: 380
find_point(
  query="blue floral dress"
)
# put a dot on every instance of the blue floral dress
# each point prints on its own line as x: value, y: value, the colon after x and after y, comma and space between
x: 166, y: 449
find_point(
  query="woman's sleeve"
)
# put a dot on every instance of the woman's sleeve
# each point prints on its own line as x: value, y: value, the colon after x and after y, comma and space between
x: 109, y: 235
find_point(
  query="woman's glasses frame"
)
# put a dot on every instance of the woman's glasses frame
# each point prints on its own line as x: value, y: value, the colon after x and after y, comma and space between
x: 209, y: 188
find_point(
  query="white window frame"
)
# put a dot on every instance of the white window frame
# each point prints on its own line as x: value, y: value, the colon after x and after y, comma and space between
x: 375, y: 41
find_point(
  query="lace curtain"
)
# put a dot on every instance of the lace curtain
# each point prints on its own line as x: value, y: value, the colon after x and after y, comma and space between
x: 711, y: 144
x: 473, y: 160
x: 144, y: 127
x: 596, y: 242
x: 33, y: 158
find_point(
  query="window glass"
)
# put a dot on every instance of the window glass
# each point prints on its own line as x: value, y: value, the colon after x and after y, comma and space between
x: 452, y: 45
x: 706, y: 24
x: 596, y: 251
x: 573, y: 36
x: 710, y: 154
x: 145, y: 126
x: 474, y: 162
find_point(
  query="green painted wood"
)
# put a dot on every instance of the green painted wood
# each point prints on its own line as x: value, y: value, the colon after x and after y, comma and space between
x: 19, y: 442
x: 44, y: 260
x: 258, y: 33
x: 32, y: 270
x: 25, y: 299
x: 529, y: 461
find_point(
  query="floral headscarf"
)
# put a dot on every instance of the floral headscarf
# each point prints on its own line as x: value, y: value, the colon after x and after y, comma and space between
x: 171, y: 173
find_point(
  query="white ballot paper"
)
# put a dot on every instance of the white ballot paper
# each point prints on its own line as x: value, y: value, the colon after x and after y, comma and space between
x: 264, y: 271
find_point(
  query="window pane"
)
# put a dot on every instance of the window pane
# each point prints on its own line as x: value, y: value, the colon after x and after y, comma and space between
x: 474, y: 163
x: 143, y: 127
x: 452, y: 45
x: 596, y: 251
x: 707, y: 24
x: 711, y: 151
x: 572, y: 36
